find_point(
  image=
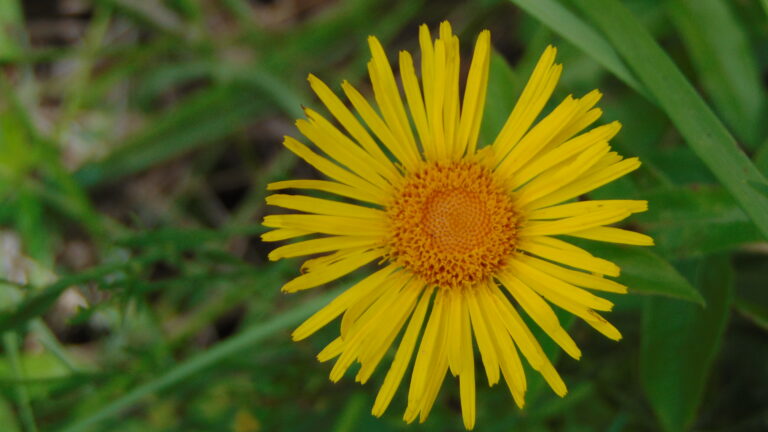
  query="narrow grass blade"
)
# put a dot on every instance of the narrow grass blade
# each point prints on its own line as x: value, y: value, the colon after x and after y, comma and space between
x: 579, y: 33
x: 11, y: 345
x: 247, y: 339
x: 725, y: 62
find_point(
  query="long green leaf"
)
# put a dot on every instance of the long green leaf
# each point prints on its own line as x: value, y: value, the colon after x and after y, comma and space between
x: 689, y: 222
x: 679, y: 344
x: 247, y: 339
x: 719, y: 47
x: 563, y: 21
x: 700, y: 127
x: 645, y: 272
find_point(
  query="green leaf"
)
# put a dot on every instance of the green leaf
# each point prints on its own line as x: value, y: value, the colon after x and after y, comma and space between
x: 645, y: 272
x: 690, y: 222
x: 754, y: 312
x: 719, y: 47
x: 702, y: 130
x: 561, y: 20
x: 230, y: 347
x: 679, y: 345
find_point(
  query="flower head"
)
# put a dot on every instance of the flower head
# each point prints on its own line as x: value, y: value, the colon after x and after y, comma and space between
x: 465, y: 236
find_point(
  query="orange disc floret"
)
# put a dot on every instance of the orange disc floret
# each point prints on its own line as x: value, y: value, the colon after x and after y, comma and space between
x: 452, y: 224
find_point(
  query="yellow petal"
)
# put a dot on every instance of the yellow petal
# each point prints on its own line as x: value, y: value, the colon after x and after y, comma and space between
x: 336, y: 172
x: 586, y: 207
x: 355, y: 259
x: 352, y: 125
x: 540, y: 311
x: 552, y: 249
x: 474, y: 95
x: 614, y: 235
x: 485, y: 342
x: 532, y: 100
x: 402, y: 357
x: 337, y: 306
x: 320, y: 245
x: 328, y: 186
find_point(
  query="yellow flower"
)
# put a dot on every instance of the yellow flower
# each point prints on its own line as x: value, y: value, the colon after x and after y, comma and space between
x: 463, y: 237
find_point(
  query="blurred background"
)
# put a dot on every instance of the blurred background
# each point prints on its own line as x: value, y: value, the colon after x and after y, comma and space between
x: 136, y: 141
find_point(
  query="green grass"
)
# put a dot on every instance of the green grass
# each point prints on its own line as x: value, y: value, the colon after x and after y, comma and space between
x: 137, y: 139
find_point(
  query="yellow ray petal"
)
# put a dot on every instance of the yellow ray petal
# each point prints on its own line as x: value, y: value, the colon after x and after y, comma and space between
x: 548, y: 159
x: 426, y: 356
x: 375, y: 346
x: 451, y: 89
x: 324, y: 224
x: 586, y: 280
x: 511, y: 367
x: 331, y: 351
x: 402, y: 357
x: 584, y: 116
x: 587, y: 183
x: 437, y: 374
x: 485, y: 343
x: 388, y: 96
x: 320, y: 245
x: 416, y: 104
x: 362, y: 329
x: 503, y: 315
x: 454, y: 307
x: 614, y: 235
x: 427, y: 71
x: 540, y: 311
x: 532, y: 100
x: 573, y: 223
x: 352, y: 125
x: 330, y: 187
x: 336, y: 172
x: 283, y: 234
x: 436, y: 378
x: 435, y: 103
x: 585, y: 207
x: 537, y: 138
x: 363, y: 289
x: 556, y: 290
x: 467, y: 375
x: 551, y: 249
x: 572, y: 302
x: 343, y: 150
x: 473, y: 103
x: 523, y: 338
x: 323, y: 206
x: 551, y: 182
x: 362, y: 304
x: 349, y: 263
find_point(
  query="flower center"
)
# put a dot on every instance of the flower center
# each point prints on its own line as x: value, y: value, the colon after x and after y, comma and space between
x: 452, y: 224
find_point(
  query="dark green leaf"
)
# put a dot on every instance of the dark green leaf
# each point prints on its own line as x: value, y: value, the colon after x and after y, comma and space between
x: 645, y: 272
x: 719, y: 47
x: 679, y: 345
x: 689, y: 222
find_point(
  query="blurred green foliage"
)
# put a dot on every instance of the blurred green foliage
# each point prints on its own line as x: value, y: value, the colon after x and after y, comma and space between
x: 136, y: 140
